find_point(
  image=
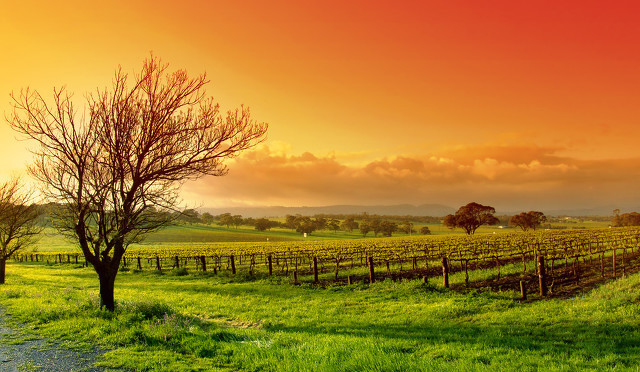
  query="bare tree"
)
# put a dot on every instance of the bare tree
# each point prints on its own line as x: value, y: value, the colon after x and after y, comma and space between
x: 18, y: 216
x: 120, y: 165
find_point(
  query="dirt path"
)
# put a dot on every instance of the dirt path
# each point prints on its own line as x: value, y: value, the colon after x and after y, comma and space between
x: 41, y: 354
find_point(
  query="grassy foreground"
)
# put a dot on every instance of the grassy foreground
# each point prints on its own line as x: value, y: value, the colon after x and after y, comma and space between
x: 196, y: 322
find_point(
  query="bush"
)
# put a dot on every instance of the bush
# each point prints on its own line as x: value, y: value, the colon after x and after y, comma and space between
x: 181, y: 271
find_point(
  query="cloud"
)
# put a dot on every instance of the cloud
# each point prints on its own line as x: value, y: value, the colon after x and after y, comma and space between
x: 508, y: 177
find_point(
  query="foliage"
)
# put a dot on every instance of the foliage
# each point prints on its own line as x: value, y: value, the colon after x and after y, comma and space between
x: 470, y: 217
x: 365, y: 228
x: 262, y: 224
x: 387, y: 227
x: 528, y: 220
x: 349, y: 224
x: 424, y: 230
x: 626, y: 219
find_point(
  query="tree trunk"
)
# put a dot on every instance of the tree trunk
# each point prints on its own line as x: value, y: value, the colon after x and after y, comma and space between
x: 107, y: 283
x: 3, y: 263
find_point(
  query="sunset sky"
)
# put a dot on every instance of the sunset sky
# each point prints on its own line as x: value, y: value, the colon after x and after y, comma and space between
x: 519, y: 105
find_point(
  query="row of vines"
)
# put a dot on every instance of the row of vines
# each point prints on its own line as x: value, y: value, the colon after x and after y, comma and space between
x: 419, y: 255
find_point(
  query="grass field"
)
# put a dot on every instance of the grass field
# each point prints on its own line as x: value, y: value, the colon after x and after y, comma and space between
x: 197, y: 322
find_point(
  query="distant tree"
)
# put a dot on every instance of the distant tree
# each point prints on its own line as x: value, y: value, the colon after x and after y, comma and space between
x: 237, y: 220
x: 374, y: 224
x: 305, y: 225
x: 18, y: 216
x: 424, y: 230
x: 333, y: 224
x: 626, y: 219
x: 406, y: 227
x: 189, y: 216
x: 207, y: 218
x: 321, y: 223
x: 349, y: 225
x: 387, y: 228
x: 290, y: 221
x: 470, y: 217
x: 365, y: 228
x: 262, y: 224
x: 225, y: 219
x: 528, y: 220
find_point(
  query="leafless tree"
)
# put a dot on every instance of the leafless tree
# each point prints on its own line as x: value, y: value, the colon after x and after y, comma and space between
x: 18, y: 228
x: 120, y: 164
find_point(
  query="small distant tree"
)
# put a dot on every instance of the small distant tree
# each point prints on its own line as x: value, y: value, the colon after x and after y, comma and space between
x: 374, y: 224
x: 387, y: 228
x: 528, y: 220
x: 626, y: 219
x: 305, y: 225
x: 424, y: 230
x: 207, y: 218
x: 321, y: 223
x: 290, y: 221
x: 333, y: 224
x: 225, y: 219
x: 262, y: 224
x: 365, y: 228
x: 237, y: 220
x: 349, y: 225
x: 18, y: 228
x: 406, y: 227
x: 470, y: 217
x: 189, y: 216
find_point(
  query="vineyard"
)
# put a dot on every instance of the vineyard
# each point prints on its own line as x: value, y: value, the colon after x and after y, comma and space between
x: 556, y: 258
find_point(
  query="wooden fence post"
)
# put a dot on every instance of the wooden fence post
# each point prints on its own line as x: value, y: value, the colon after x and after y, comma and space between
x: 445, y: 272
x: 315, y: 269
x: 523, y: 291
x: 232, y: 259
x: 203, y: 263
x: 270, y: 262
x: 542, y: 277
x: 466, y: 273
x: 372, y: 275
x: 614, y: 262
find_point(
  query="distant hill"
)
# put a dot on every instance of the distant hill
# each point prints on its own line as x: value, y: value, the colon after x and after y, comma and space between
x: 434, y: 210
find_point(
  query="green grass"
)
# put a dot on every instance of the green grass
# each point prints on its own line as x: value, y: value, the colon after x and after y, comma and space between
x: 198, y: 322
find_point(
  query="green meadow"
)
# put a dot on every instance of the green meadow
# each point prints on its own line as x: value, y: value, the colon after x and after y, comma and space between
x: 183, y: 321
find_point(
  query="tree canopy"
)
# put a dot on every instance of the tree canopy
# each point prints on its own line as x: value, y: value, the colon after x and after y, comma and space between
x: 528, y: 220
x: 471, y: 216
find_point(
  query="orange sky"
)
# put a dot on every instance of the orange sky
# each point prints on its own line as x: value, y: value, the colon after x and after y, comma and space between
x: 530, y: 105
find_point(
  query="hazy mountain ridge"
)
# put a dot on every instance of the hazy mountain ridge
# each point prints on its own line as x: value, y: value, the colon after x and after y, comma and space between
x: 389, y: 210
x: 435, y: 210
